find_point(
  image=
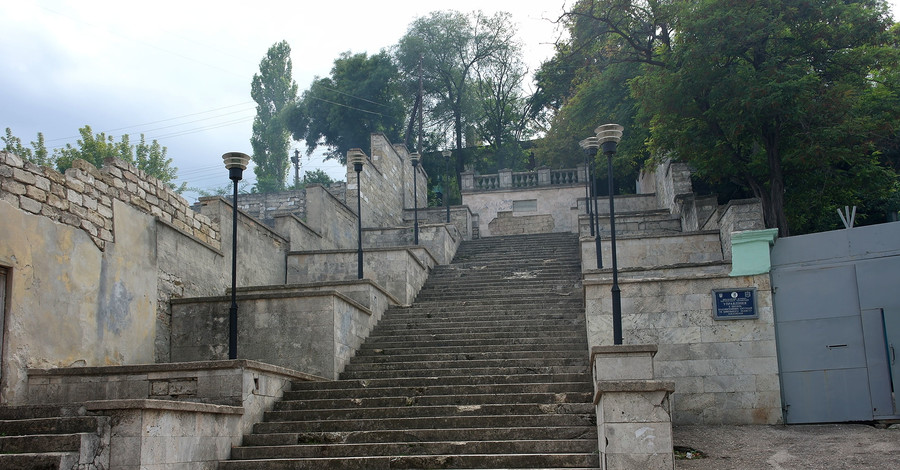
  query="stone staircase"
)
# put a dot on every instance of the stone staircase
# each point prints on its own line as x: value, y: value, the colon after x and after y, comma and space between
x: 487, y: 369
x: 52, y: 437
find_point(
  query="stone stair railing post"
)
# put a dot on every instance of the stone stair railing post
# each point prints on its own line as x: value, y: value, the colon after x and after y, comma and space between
x: 467, y: 181
x: 543, y: 176
x: 634, y: 411
x: 505, y: 178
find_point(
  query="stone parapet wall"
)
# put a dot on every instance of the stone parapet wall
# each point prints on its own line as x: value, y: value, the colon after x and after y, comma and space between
x: 82, y: 197
x: 738, y: 216
x: 725, y: 371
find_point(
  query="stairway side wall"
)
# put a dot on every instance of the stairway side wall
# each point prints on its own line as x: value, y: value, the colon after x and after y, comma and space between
x: 725, y: 371
x: 93, y: 257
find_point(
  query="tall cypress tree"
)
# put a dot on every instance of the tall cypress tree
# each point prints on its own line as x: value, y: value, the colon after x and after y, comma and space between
x: 274, y: 90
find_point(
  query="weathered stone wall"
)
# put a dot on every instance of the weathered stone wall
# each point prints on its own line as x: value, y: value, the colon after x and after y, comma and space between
x: 560, y: 202
x: 83, y: 197
x: 267, y: 206
x: 673, y: 180
x: 71, y: 303
x: 508, y: 224
x: 386, y: 184
x: 738, y: 216
x: 304, y: 328
x: 725, y: 372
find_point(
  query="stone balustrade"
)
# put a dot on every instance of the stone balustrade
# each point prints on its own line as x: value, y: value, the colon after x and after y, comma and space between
x: 508, y: 179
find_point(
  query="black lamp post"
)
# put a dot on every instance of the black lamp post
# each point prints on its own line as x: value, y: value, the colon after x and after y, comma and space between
x: 609, y: 135
x: 414, y: 158
x: 357, y: 158
x: 588, y: 178
x: 296, y: 161
x: 590, y: 146
x: 236, y: 162
x: 446, y: 154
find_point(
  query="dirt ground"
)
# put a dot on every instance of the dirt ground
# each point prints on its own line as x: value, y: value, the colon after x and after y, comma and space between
x: 802, y: 447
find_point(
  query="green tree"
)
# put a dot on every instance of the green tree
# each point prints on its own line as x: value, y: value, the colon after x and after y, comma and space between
x: 361, y: 97
x: 274, y: 91
x: 13, y: 144
x: 773, y: 95
x: 451, y: 46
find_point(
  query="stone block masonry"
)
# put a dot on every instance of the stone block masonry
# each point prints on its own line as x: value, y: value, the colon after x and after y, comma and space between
x: 83, y: 197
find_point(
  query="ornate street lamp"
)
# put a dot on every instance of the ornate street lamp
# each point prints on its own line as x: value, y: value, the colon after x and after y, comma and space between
x: 590, y: 146
x: 446, y: 154
x: 357, y: 158
x: 236, y: 162
x: 609, y: 135
x: 414, y: 158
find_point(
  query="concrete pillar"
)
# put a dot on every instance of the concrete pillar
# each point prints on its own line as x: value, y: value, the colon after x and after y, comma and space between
x: 582, y: 173
x: 467, y: 181
x: 543, y: 176
x: 634, y: 411
x: 505, y: 176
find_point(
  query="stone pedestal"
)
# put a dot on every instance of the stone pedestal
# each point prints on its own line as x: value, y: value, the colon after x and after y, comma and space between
x: 634, y: 411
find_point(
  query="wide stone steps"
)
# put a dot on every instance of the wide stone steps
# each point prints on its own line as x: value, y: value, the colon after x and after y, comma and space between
x: 388, y: 357
x: 467, y: 363
x: 479, y: 461
x: 411, y: 391
x: 416, y: 448
x: 431, y: 325
x: 422, y: 435
x: 426, y: 411
x: 434, y: 400
x: 49, y: 437
x: 419, y: 422
x: 572, y: 348
x: 455, y: 372
x: 488, y: 369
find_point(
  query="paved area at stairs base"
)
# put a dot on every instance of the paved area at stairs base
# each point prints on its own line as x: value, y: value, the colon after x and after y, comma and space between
x: 794, y: 447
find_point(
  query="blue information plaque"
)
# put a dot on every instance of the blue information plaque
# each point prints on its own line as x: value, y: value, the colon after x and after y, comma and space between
x: 734, y: 304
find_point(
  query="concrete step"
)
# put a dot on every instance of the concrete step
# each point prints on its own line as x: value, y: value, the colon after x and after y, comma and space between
x: 56, y: 425
x: 457, y: 422
x: 412, y: 393
x: 457, y: 372
x: 39, y: 461
x: 521, y: 380
x: 40, y: 443
x: 434, y: 400
x: 388, y: 357
x: 482, y: 344
x: 424, y: 435
x: 570, y: 360
x: 482, y: 461
x: 432, y: 411
x: 585, y: 446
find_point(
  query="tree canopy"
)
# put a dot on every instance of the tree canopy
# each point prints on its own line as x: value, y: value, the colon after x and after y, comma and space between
x: 95, y: 148
x: 274, y: 91
x: 790, y: 100
x: 471, y: 74
x: 361, y: 96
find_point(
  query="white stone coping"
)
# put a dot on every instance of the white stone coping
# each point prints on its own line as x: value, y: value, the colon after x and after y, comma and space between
x: 252, y: 293
x: 170, y: 367
x: 292, y: 290
x: 162, y: 405
x: 631, y: 386
x: 707, y: 270
x: 623, y: 349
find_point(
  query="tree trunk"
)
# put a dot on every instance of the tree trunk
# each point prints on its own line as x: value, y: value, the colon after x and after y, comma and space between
x: 776, y: 217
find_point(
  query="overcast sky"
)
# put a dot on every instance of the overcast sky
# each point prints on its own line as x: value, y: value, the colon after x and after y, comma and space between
x: 180, y: 71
